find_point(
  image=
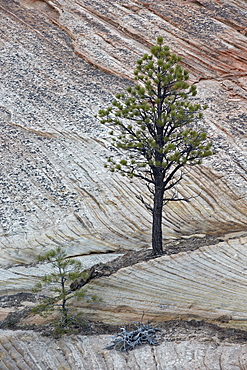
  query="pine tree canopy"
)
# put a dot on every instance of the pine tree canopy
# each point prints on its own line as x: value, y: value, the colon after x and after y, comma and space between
x: 152, y: 121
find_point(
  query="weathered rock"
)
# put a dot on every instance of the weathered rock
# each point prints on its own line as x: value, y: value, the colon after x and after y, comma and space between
x: 63, y: 60
x: 54, y: 189
x: 28, y: 351
x: 23, y: 277
x: 208, y: 283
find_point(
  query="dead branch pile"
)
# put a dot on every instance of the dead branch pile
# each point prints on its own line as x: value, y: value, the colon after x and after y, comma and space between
x: 128, y: 340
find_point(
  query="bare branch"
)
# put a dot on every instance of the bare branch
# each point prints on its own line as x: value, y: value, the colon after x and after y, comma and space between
x: 147, y: 205
x: 151, y: 190
x: 174, y: 183
x: 174, y: 199
x: 128, y: 340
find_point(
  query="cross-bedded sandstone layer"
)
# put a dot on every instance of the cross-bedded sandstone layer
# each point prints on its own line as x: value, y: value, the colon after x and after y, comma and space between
x: 63, y: 60
x: 54, y: 189
x: 28, y: 351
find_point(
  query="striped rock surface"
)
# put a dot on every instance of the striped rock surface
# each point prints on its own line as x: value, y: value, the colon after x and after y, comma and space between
x: 63, y: 60
x: 54, y: 188
x: 25, y: 350
x: 208, y: 283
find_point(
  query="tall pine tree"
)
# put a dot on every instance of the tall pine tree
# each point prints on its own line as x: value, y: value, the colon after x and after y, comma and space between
x: 154, y: 126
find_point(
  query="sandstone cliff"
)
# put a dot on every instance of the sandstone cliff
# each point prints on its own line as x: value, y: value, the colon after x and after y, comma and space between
x: 29, y: 351
x: 63, y: 60
x: 54, y: 187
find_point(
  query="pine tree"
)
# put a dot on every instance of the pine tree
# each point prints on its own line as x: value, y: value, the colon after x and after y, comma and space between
x: 154, y: 127
x: 65, y: 270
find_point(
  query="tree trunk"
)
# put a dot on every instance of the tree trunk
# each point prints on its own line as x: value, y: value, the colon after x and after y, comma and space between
x: 64, y: 300
x: 157, y: 219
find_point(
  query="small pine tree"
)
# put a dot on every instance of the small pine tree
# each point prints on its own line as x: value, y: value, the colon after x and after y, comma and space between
x: 65, y: 271
x: 153, y: 125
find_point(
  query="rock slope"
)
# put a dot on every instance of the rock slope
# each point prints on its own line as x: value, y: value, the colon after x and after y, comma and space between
x: 61, y: 61
x: 208, y: 283
x: 29, y: 351
x: 54, y: 189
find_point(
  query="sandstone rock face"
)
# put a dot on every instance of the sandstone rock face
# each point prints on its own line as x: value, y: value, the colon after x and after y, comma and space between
x: 208, y: 283
x: 53, y: 149
x: 54, y: 188
x: 63, y: 60
x: 29, y: 351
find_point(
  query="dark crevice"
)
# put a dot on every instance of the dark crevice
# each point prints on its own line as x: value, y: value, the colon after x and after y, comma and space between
x: 133, y: 257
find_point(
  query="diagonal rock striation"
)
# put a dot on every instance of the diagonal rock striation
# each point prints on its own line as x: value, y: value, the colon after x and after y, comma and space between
x: 28, y: 351
x: 54, y: 187
x: 61, y: 61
